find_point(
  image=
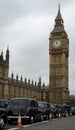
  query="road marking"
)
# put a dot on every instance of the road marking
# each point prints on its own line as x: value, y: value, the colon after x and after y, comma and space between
x: 24, y: 126
x: 35, y: 124
x: 13, y: 129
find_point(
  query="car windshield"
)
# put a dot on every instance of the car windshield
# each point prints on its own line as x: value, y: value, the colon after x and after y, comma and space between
x: 19, y: 102
x: 67, y: 108
x: 73, y: 108
x: 42, y: 105
x: 3, y: 104
x: 52, y: 106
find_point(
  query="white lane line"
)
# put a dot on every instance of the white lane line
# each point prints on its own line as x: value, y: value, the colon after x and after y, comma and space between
x: 13, y: 129
x: 27, y: 125
x: 35, y: 124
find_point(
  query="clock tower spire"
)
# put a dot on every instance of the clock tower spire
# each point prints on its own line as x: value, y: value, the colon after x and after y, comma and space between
x: 59, y: 23
x: 59, y: 13
x: 58, y: 57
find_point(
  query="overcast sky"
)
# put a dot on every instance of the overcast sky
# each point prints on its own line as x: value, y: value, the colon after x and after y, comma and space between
x: 25, y: 26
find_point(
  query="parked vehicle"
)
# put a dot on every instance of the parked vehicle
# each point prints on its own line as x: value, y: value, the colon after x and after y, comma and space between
x: 27, y: 107
x: 44, y: 108
x: 3, y: 114
x: 73, y: 110
x: 64, y: 110
x: 67, y: 109
x: 57, y: 110
x: 52, y: 109
x: 60, y: 110
x: 4, y: 103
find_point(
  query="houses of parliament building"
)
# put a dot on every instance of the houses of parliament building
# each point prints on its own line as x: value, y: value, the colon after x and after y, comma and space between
x: 58, y: 90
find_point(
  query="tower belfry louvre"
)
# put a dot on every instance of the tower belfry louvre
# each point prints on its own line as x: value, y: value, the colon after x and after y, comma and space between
x: 58, y: 62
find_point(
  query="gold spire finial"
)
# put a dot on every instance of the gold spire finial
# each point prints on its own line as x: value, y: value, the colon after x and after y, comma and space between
x: 59, y: 5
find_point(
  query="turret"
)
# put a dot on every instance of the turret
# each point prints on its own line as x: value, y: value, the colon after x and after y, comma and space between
x: 1, y: 56
x: 39, y: 82
x: 7, y: 56
x: 4, y: 70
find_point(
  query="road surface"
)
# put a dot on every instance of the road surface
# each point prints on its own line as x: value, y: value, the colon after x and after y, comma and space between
x: 56, y: 124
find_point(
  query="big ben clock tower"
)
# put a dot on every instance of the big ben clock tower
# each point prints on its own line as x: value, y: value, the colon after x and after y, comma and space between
x: 58, y: 66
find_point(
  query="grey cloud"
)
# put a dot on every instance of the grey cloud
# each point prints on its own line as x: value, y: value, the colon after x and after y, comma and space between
x: 25, y: 27
x: 10, y: 10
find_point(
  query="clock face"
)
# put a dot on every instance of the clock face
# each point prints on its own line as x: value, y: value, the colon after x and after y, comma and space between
x: 56, y: 43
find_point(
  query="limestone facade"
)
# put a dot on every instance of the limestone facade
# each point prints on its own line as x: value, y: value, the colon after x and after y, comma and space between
x: 58, y: 62
x: 10, y: 87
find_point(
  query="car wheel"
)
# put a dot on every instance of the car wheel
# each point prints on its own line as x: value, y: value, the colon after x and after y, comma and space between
x: 1, y: 123
x: 5, y: 119
x: 31, y: 119
x: 42, y: 118
x: 47, y: 117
